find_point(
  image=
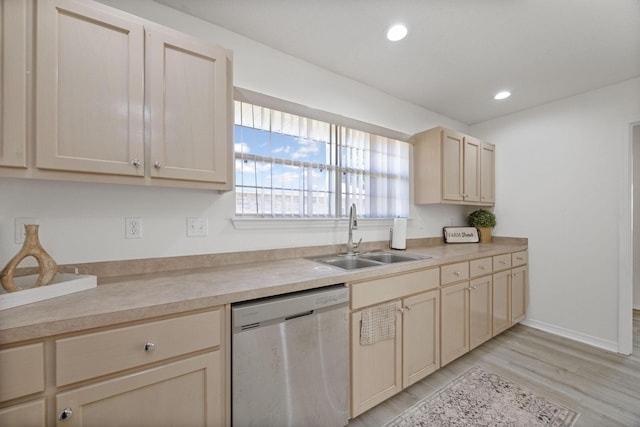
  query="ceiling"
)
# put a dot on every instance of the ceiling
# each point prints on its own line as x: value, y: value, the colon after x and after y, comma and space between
x: 458, y: 53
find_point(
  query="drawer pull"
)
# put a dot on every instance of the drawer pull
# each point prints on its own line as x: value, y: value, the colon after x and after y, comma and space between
x: 519, y: 258
x: 503, y: 262
x: 149, y: 346
x: 457, y: 273
x: 65, y: 414
x: 482, y: 267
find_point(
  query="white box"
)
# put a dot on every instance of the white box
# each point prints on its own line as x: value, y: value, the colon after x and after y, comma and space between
x: 63, y: 284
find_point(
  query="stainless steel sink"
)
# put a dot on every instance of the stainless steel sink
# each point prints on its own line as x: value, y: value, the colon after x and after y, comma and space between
x: 390, y: 257
x: 366, y: 259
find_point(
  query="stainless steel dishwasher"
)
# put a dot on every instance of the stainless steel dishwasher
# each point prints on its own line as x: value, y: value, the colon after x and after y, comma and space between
x: 290, y: 360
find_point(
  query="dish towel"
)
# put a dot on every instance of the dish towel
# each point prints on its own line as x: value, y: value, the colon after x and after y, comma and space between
x: 378, y: 323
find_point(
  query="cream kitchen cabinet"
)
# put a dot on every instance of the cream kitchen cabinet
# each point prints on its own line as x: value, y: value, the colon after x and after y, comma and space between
x: 509, y: 290
x: 119, y: 99
x: 89, y: 89
x: 23, y: 377
x: 14, y: 68
x: 449, y: 168
x: 382, y: 369
x: 466, y: 308
x: 166, y: 372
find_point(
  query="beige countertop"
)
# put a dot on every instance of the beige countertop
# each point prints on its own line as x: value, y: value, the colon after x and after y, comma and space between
x: 143, y: 296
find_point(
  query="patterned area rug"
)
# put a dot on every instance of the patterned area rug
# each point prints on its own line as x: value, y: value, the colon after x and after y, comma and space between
x: 481, y: 398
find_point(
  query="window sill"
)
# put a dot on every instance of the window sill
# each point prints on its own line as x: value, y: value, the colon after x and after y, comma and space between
x: 302, y: 223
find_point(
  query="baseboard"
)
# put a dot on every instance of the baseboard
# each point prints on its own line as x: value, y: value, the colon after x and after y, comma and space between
x: 573, y: 335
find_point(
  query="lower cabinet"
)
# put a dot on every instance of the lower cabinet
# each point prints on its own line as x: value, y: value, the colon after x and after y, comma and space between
x: 465, y: 317
x: 382, y: 369
x: 509, y: 298
x: 376, y: 369
x: 420, y: 332
x: 22, y: 375
x: 171, y: 371
x: 179, y: 393
x: 518, y: 294
x: 31, y: 414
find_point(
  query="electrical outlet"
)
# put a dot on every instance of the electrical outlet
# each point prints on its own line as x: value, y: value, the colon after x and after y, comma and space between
x: 197, y: 227
x: 19, y: 230
x: 133, y: 228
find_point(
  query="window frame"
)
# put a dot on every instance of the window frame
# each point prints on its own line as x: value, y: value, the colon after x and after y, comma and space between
x: 336, y: 121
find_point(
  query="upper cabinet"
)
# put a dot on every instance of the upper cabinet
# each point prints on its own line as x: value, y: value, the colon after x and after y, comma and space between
x: 120, y: 99
x: 450, y: 167
x: 188, y: 108
x: 13, y: 83
x: 89, y: 90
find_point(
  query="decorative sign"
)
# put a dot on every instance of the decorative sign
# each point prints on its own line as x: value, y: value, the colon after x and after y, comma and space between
x: 460, y: 235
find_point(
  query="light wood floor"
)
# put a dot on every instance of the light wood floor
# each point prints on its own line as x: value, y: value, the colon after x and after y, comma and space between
x: 603, y: 387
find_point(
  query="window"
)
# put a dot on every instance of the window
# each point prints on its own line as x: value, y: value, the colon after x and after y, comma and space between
x: 299, y: 167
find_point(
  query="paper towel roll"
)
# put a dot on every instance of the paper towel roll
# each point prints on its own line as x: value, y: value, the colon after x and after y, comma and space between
x: 399, y: 236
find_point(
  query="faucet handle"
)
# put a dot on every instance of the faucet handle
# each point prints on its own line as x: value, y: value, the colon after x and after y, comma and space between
x: 357, y: 245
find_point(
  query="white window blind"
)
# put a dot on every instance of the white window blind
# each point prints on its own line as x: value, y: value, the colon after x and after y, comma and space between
x: 299, y: 167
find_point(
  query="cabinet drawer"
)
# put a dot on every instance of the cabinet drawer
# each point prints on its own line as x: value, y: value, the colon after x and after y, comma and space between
x: 519, y: 258
x: 479, y: 267
x: 454, y: 272
x: 501, y: 262
x: 388, y: 288
x: 22, y: 371
x: 91, y: 355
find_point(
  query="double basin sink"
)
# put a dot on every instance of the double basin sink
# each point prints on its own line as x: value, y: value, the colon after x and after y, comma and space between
x: 367, y: 259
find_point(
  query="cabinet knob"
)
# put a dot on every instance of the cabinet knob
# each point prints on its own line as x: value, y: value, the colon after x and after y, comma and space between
x: 407, y: 307
x: 401, y: 309
x: 482, y: 267
x: 156, y: 164
x: 457, y: 273
x: 65, y: 414
x: 136, y: 162
x: 149, y: 346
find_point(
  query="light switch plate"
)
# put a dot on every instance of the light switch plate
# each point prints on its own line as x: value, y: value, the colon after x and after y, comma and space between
x: 197, y: 227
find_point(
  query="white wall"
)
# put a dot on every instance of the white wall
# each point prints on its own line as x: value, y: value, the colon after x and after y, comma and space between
x: 558, y: 174
x: 85, y: 222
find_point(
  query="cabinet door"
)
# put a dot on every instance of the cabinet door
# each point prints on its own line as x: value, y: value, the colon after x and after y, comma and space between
x: 454, y: 322
x: 376, y: 369
x: 420, y: 336
x: 487, y: 173
x: 472, y: 153
x: 13, y: 83
x: 501, y: 302
x: 518, y: 294
x: 480, y: 314
x: 187, y: 92
x: 89, y: 113
x: 184, y: 393
x: 31, y: 414
x: 452, y: 165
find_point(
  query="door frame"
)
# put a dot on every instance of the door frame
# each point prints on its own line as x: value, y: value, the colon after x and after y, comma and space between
x: 625, y: 238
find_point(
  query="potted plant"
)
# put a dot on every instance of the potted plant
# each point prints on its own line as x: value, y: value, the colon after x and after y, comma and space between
x: 484, y: 221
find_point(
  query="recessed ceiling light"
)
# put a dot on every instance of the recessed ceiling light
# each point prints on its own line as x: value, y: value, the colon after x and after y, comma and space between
x: 502, y: 95
x: 397, y: 32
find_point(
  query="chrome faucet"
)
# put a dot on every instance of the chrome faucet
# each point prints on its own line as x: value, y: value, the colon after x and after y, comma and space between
x: 353, y: 225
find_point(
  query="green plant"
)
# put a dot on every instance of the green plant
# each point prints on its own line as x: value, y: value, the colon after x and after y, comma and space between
x: 482, y: 218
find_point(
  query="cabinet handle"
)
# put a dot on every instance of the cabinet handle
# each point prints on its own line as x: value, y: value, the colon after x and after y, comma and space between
x: 136, y: 162
x: 471, y: 288
x: 407, y: 307
x: 457, y: 273
x: 401, y: 309
x: 156, y: 164
x: 149, y: 346
x: 519, y: 258
x: 503, y: 262
x: 482, y: 267
x: 65, y: 414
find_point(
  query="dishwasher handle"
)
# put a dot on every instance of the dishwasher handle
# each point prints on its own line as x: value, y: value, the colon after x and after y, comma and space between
x: 295, y: 316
